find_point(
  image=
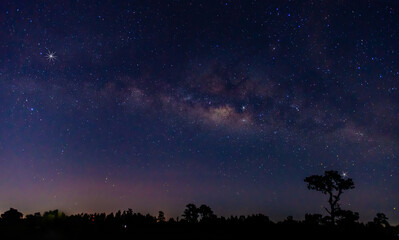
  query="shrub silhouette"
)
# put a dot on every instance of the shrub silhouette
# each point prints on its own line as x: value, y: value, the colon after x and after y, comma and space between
x: 313, y: 219
x: 347, y: 217
x: 53, y: 215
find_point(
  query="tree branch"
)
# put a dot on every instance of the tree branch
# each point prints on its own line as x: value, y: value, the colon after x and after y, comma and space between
x: 327, y: 210
x: 336, y: 198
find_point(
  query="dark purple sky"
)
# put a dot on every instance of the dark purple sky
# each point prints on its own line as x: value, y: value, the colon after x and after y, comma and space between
x: 151, y: 105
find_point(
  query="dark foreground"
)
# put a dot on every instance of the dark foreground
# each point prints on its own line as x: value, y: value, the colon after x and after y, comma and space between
x: 197, y: 223
x: 90, y: 230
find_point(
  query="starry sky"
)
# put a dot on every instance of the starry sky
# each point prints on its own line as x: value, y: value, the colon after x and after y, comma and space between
x: 150, y: 105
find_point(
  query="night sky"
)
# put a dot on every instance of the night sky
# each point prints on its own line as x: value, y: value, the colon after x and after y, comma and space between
x: 150, y: 105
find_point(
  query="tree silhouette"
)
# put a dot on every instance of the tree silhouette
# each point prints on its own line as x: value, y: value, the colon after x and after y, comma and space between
x: 206, y: 213
x: 347, y: 217
x: 53, y: 215
x: 191, y: 213
x: 161, y: 217
x: 381, y: 220
x: 11, y: 216
x: 313, y: 219
x: 333, y: 184
x: 203, y: 225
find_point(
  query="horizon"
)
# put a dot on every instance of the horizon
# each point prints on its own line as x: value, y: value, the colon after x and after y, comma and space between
x: 152, y: 105
x: 179, y: 217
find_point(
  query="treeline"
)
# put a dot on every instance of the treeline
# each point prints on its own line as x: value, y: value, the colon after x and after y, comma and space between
x: 195, y: 223
x: 202, y: 223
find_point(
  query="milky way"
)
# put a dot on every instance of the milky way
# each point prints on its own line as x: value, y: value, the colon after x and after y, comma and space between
x: 151, y: 105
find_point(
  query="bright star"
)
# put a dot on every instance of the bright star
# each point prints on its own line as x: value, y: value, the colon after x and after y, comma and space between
x: 51, y: 56
x: 344, y: 174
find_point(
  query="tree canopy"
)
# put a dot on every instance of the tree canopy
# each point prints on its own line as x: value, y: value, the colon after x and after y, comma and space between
x: 333, y: 184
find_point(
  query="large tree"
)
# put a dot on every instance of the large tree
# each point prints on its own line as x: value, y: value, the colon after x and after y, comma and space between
x: 206, y: 213
x: 333, y: 184
x: 161, y: 217
x: 11, y: 216
x: 191, y: 213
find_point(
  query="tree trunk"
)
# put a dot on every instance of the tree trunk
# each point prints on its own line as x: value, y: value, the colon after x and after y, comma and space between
x: 332, y: 215
x: 332, y: 208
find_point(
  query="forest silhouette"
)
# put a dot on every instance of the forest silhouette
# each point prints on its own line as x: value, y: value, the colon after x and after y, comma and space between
x: 202, y: 223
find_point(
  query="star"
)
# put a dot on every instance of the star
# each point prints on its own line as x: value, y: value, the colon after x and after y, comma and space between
x: 51, y: 56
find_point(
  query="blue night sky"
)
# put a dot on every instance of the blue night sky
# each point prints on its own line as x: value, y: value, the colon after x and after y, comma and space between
x: 150, y: 105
